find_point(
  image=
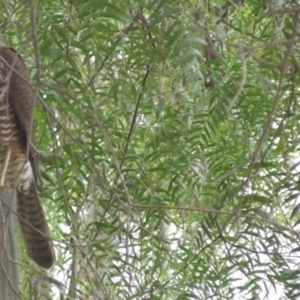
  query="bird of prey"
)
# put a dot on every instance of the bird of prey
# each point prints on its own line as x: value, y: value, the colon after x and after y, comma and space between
x: 18, y: 157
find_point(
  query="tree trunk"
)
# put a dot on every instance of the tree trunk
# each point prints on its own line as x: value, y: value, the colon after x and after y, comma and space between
x: 9, y: 277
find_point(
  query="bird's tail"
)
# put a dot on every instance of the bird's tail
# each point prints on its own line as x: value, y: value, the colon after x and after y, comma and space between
x: 35, y: 229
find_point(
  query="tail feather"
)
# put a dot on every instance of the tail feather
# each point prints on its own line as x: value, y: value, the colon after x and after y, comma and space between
x: 35, y: 228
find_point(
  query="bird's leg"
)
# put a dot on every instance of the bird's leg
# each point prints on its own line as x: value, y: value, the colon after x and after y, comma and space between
x: 5, y: 166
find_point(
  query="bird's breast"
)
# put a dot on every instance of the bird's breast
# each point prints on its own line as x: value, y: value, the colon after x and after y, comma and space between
x: 19, y: 173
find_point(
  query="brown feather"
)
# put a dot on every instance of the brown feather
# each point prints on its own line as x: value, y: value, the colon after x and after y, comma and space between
x: 35, y: 229
x: 19, y: 101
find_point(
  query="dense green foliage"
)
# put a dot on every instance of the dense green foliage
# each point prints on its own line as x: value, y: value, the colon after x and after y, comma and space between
x: 169, y: 133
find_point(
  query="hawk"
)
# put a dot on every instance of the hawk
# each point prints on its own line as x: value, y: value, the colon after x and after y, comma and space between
x: 18, y: 157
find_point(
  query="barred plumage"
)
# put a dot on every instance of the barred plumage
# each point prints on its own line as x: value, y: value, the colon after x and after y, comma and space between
x: 16, y: 108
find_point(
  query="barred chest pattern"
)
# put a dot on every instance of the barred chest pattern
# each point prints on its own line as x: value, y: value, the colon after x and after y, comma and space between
x: 19, y: 174
x: 17, y: 160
